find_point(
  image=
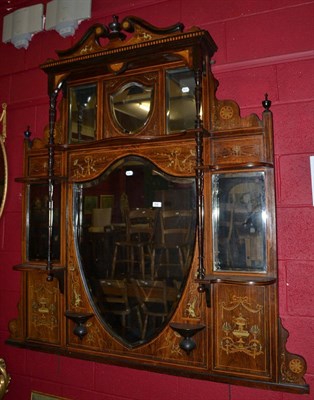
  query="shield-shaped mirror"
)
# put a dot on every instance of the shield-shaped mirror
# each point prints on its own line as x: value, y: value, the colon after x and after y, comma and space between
x: 135, y: 246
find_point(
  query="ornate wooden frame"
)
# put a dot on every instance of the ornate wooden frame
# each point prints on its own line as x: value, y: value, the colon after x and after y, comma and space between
x: 229, y: 320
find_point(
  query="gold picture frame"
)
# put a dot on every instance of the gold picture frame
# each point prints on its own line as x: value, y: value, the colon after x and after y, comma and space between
x: 106, y: 201
x: 44, y: 396
x: 90, y: 202
x: 3, y: 159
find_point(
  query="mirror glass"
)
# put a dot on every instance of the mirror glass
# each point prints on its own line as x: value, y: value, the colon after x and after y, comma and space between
x: 82, y: 113
x: 239, y: 221
x: 131, y: 106
x: 38, y: 222
x: 135, y: 232
x: 3, y: 175
x: 181, y: 109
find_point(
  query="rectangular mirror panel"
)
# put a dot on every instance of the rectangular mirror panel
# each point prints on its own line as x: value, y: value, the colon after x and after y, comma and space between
x: 82, y: 113
x: 239, y: 222
x: 180, y: 100
x: 37, y: 235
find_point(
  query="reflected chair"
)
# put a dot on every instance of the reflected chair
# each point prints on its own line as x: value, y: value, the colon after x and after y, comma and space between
x: 175, y: 244
x: 136, y: 249
x: 124, y: 206
x: 152, y: 296
x: 115, y: 300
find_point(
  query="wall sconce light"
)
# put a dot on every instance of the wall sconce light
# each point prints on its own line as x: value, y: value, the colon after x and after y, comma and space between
x: 22, y: 24
x: 65, y: 15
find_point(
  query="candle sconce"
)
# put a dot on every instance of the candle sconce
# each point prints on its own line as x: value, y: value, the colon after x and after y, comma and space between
x: 187, y: 331
x: 80, y: 320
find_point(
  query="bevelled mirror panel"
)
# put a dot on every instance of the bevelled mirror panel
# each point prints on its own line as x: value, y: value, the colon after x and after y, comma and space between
x: 131, y: 106
x: 82, y: 113
x: 239, y: 222
x: 38, y: 223
x: 180, y: 98
x: 135, y: 246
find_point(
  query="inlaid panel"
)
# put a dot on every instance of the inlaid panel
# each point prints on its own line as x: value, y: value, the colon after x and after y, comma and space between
x: 242, y: 342
x: 43, y: 322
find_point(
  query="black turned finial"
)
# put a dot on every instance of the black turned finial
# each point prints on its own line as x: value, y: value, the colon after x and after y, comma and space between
x: 115, y: 24
x: 201, y: 288
x: 266, y: 103
x: 80, y: 320
x: 187, y: 331
x: 27, y: 133
x: 115, y: 29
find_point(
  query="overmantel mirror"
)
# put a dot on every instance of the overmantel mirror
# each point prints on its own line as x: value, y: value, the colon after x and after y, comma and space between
x: 150, y: 217
x: 3, y: 159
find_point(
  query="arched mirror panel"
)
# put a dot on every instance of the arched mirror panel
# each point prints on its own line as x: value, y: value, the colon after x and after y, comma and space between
x: 135, y: 246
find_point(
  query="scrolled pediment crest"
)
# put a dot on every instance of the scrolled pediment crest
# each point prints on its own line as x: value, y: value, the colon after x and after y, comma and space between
x: 114, y: 36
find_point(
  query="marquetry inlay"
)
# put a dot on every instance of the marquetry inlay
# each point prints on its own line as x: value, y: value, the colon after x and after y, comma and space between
x: 239, y: 334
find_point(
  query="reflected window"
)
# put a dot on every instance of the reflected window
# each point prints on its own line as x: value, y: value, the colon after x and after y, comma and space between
x: 239, y: 221
x: 135, y: 231
x: 82, y: 113
x: 180, y: 98
x: 131, y: 106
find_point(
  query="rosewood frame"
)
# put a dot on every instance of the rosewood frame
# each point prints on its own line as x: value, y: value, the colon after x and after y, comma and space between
x: 226, y: 346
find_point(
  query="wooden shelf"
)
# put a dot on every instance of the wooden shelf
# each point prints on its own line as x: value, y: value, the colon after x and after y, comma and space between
x: 27, y: 267
x: 233, y: 167
x: 41, y: 179
x: 238, y: 280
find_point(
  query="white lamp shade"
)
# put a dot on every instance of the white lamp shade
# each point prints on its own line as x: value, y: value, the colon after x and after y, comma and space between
x: 65, y: 15
x: 19, y: 26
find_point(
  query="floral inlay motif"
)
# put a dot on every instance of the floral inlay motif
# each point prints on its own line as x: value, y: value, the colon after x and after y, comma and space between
x: 44, y: 307
x: 84, y: 168
x: 238, y: 335
x: 192, y: 309
x: 169, y: 343
x: 291, y: 368
x: 180, y: 160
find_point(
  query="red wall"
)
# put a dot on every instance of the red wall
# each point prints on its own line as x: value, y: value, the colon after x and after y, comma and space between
x: 264, y: 46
